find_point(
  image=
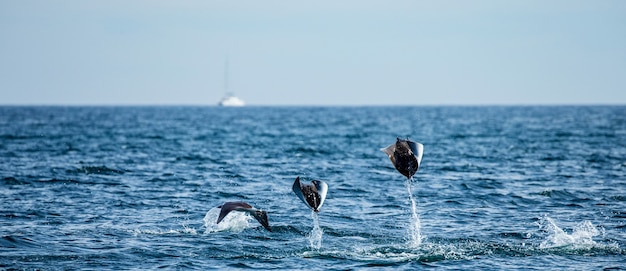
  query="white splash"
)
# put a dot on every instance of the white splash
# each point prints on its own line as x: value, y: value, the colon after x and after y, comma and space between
x: 582, y: 234
x: 234, y: 221
x: 415, y: 232
x: 315, y: 237
x: 142, y: 231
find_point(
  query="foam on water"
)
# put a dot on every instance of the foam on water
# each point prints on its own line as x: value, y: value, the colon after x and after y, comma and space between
x: 581, y: 236
x: 184, y: 230
x: 234, y: 221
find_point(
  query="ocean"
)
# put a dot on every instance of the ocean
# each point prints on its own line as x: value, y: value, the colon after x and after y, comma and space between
x: 499, y: 188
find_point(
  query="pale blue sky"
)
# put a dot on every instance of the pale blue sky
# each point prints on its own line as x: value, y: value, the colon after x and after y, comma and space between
x: 313, y: 52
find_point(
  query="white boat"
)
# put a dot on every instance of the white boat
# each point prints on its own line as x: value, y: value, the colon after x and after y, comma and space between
x: 231, y: 100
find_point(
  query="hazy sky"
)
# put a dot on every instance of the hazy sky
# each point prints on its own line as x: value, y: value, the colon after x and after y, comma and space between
x: 351, y: 52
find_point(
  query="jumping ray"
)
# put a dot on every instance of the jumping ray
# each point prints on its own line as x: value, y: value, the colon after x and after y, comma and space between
x: 313, y: 195
x: 405, y: 155
x: 241, y: 206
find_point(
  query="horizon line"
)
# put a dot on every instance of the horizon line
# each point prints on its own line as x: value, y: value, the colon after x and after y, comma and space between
x: 304, y: 105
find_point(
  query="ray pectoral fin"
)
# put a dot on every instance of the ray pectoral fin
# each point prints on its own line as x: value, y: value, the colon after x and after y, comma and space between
x: 322, y: 189
x: 261, y: 216
x: 223, y: 213
x: 227, y: 207
x: 417, y: 149
x: 297, y: 189
x: 296, y: 185
x: 389, y: 150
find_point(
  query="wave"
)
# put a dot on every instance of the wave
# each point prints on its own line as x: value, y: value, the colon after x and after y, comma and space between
x: 200, y: 158
x: 101, y: 170
x: 184, y: 230
x: 61, y: 181
x: 12, y: 242
x: 12, y: 181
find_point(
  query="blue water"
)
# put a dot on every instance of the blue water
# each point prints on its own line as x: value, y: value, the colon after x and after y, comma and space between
x: 524, y: 187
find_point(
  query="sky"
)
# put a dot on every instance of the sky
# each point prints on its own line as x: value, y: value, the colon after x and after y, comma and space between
x: 351, y: 52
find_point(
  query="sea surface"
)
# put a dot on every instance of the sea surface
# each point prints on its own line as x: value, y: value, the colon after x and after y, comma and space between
x: 499, y: 188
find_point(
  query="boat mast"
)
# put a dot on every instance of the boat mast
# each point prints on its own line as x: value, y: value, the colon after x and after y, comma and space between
x: 226, y: 76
